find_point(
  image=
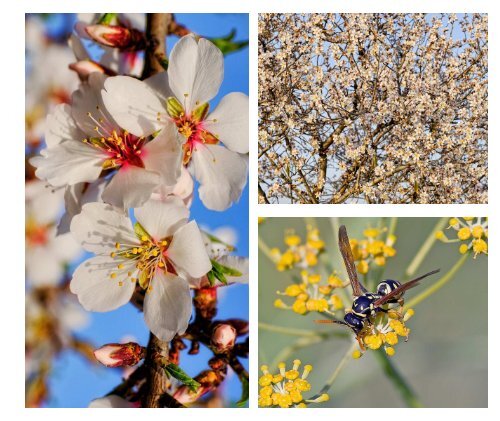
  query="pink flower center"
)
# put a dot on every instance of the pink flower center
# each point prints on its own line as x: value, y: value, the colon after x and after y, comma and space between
x: 194, y: 133
x: 121, y: 147
x: 36, y: 235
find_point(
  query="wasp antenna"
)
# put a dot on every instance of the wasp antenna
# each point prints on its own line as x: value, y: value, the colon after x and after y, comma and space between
x: 324, y: 321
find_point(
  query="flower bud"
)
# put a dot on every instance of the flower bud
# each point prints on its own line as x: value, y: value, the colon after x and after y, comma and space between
x: 223, y: 337
x: 125, y: 39
x: 85, y: 67
x: 240, y: 325
x: 209, y: 381
x: 118, y: 355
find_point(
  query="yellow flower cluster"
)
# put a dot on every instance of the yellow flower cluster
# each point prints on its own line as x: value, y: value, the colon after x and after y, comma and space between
x: 313, y: 295
x: 471, y: 232
x: 299, y: 254
x: 372, y: 250
x: 385, y: 331
x: 285, y: 388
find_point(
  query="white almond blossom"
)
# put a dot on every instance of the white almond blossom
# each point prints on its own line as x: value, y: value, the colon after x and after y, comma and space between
x: 157, y: 254
x: 84, y: 140
x: 46, y: 254
x: 179, y: 98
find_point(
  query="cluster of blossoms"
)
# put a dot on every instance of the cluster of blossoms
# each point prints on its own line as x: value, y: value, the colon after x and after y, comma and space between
x: 298, y: 254
x: 284, y: 389
x: 471, y: 232
x: 124, y: 155
x: 384, y: 331
x: 336, y: 126
x: 131, y: 144
x: 372, y: 250
x: 313, y: 295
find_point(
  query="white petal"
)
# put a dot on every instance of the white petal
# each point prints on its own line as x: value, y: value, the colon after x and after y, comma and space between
x: 183, y: 188
x: 78, y: 48
x: 167, y: 307
x: 161, y: 218
x: 222, y: 175
x: 88, y: 99
x: 42, y: 267
x: 43, y: 202
x: 238, y: 263
x: 65, y: 248
x: 69, y: 163
x: 100, y: 226
x: 95, y: 288
x: 187, y: 251
x: 75, y: 197
x: 196, y: 69
x: 159, y: 84
x: 231, y: 122
x: 133, y: 105
x: 130, y: 187
x: 61, y: 126
x: 163, y: 155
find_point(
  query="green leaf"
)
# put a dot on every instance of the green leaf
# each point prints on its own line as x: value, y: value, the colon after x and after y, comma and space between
x: 108, y: 19
x: 226, y: 270
x: 216, y: 240
x: 244, y: 389
x: 175, y: 371
x: 140, y: 231
x: 211, y: 278
x: 227, y: 44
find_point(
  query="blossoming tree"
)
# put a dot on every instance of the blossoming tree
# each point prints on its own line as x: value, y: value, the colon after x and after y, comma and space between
x: 124, y: 151
x: 373, y: 108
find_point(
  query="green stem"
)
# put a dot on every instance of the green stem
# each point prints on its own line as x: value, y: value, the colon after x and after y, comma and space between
x: 397, y: 379
x: 287, y: 330
x: 264, y: 248
x: 439, y: 284
x: 425, y: 249
x: 336, y: 372
x: 392, y: 226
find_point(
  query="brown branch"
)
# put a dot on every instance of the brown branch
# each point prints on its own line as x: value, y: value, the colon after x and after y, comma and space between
x: 156, y: 376
x: 157, y: 25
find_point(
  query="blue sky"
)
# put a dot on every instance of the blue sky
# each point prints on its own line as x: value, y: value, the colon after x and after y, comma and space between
x: 74, y: 382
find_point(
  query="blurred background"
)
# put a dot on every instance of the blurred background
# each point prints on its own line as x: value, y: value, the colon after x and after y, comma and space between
x: 66, y: 376
x: 445, y: 359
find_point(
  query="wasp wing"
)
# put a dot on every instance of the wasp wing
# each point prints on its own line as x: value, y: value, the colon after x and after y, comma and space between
x: 345, y: 249
x: 406, y: 286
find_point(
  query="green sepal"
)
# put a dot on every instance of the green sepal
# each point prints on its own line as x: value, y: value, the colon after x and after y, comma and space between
x: 200, y: 112
x: 174, y: 107
x: 244, y: 389
x: 140, y: 231
x: 108, y: 19
x: 175, y: 371
x: 227, y: 44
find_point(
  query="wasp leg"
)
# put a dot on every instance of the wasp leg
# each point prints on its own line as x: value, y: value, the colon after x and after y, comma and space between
x: 360, y: 343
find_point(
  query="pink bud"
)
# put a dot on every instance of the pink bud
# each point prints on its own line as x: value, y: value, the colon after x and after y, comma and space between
x: 118, y: 355
x: 85, y: 67
x: 223, y: 337
x: 125, y: 39
x: 185, y: 396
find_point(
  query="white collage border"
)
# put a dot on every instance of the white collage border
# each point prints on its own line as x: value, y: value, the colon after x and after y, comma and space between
x: 12, y: 248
